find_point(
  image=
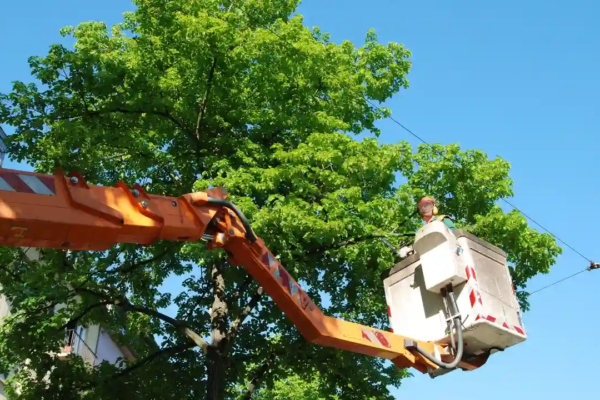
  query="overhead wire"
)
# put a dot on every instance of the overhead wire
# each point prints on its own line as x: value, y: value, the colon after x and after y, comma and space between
x: 559, y: 281
x: 520, y: 211
x: 556, y: 237
x: 504, y: 200
x: 592, y: 264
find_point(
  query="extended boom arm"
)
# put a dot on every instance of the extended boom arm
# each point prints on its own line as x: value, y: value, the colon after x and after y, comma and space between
x: 55, y: 211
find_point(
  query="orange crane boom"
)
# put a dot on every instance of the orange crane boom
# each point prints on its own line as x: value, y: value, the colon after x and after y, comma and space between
x: 56, y: 211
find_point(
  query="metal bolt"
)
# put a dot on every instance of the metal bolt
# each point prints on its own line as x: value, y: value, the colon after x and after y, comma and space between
x: 135, y: 192
x: 74, y: 180
x: 144, y: 204
x: 174, y: 203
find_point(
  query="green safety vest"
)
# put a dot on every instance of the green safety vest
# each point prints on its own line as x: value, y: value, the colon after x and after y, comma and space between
x: 445, y: 219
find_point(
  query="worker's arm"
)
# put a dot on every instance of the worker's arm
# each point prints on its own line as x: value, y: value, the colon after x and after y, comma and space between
x: 55, y: 211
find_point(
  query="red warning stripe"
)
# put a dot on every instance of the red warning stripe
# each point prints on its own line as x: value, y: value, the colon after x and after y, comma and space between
x: 504, y: 324
x: 470, y: 273
x: 15, y: 182
x: 382, y: 339
x: 375, y: 337
x: 521, y: 331
x: 475, y: 297
x: 24, y: 183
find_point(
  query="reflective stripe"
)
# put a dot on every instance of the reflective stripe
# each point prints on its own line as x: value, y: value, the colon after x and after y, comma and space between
x: 5, y: 186
x: 35, y: 184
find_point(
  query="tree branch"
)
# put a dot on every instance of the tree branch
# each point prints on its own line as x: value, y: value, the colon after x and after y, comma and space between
x: 198, y: 302
x: 126, y: 305
x: 235, y: 325
x: 209, y: 82
x: 164, y: 114
x: 93, y: 113
x: 345, y: 243
x: 167, y: 351
x: 88, y: 309
x: 36, y: 310
x: 94, y: 293
x: 240, y: 290
x: 11, y: 273
x: 181, y: 326
x: 129, y: 268
x: 260, y: 373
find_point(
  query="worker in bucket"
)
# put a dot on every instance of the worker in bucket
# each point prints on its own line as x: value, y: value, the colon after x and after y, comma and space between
x: 429, y: 213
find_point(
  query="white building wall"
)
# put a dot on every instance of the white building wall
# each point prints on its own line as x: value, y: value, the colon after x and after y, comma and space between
x: 4, y: 307
x: 107, y: 350
x: 103, y: 348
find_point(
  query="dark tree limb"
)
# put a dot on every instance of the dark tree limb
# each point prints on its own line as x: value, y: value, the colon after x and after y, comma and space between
x: 235, y: 325
x: 181, y: 326
x: 87, y: 310
x: 165, y: 352
x: 260, y: 374
x: 37, y: 310
x: 94, y: 113
x: 126, y: 305
x: 15, y: 276
x: 239, y: 291
x: 198, y: 303
x: 202, y: 109
x: 345, y: 243
x: 131, y: 267
x: 164, y: 114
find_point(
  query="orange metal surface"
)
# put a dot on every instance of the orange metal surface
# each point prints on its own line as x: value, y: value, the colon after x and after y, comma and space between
x: 71, y: 214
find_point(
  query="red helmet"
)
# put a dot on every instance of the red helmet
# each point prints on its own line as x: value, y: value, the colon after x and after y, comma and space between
x: 426, y: 204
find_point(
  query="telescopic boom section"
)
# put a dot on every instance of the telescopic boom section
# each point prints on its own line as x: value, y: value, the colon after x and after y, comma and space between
x: 55, y: 211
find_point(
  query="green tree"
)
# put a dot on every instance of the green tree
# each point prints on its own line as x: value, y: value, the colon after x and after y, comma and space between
x: 186, y: 94
x: 293, y: 387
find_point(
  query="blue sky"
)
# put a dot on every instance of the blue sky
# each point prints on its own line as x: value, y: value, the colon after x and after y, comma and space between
x: 515, y: 79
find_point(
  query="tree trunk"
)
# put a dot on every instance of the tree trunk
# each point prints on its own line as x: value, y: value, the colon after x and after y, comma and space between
x: 216, y: 367
x: 216, y: 357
